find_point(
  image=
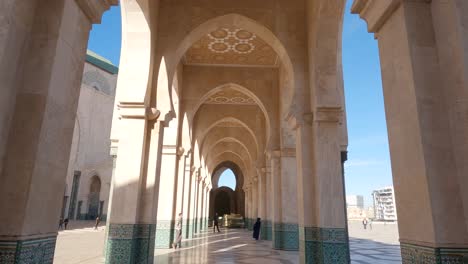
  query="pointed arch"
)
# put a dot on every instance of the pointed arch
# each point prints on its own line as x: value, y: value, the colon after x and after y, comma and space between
x: 242, y: 22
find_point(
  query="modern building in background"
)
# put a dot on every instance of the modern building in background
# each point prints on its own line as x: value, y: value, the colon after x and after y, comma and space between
x: 384, y: 204
x: 356, y: 201
x: 355, y: 207
x: 90, y: 167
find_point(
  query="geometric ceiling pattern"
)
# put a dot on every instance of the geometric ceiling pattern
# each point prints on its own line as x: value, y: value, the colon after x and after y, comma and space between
x: 231, y: 46
x: 230, y: 96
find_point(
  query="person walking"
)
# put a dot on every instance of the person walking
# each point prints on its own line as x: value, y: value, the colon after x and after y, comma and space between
x: 65, y: 222
x: 178, y: 236
x: 215, y: 224
x: 256, y: 229
x: 97, y: 223
x: 370, y: 224
x: 61, y: 223
x: 364, y: 223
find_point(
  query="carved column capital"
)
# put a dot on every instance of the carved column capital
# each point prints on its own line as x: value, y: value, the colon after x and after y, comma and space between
x: 93, y: 9
x: 328, y: 114
x: 376, y: 12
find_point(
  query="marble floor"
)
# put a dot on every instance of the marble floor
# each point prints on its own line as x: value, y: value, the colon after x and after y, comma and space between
x: 84, y: 245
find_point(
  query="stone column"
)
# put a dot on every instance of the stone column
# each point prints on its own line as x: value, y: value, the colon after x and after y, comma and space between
x: 186, y: 197
x: 192, y: 202
x: 131, y: 234
x: 423, y: 52
x: 320, y: 197
x: 42, y: 53
x: 274, y: 157
x: 207, y: 212
x: 180, y: 195
x: 262, y: 202
x: 247, y: 205
x: 268, y: 204
x: 165, y: 225
x: 201, y: 207
x: 255, y: 201
x: 288, y: 230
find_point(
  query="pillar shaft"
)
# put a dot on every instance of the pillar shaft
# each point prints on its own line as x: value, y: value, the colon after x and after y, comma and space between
x: 165, y: 225
x: 262, y: 203
x: 269, y: 204
x: 323, y: 234
x: 38, y: 100
x: 424, y: 81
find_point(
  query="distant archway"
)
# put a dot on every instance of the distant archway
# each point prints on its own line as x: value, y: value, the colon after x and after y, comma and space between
x: 94, y: 198
x: 224, y: 201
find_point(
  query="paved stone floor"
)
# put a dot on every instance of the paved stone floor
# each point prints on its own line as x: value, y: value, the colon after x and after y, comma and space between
x: 84, y: 245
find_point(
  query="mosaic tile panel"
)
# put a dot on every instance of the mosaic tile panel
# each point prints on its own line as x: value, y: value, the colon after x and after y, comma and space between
x: 189, y: 233
x: 250, y: 223
x: 165, y: 230
x: 412, y: 254
x: 130, y: 243
x: 266, y: 230
x: 285, y: 236
x: 324, y: 245
x: 32, y: 251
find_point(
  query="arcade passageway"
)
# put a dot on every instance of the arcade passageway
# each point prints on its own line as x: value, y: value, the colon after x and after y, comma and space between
x: 251, y: 85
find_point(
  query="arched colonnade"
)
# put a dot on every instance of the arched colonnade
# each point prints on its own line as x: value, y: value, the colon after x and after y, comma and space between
x: 250, y: 85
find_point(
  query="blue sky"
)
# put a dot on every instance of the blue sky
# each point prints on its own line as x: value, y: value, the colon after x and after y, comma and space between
x: 368, y: 165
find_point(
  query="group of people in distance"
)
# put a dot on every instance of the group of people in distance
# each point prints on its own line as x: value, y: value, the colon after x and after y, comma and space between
x: 178, y: 236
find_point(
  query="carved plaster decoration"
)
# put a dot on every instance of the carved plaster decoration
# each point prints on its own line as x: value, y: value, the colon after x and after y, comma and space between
x: 229, y: 124
x: 231, y: 46
x: 230, y: 96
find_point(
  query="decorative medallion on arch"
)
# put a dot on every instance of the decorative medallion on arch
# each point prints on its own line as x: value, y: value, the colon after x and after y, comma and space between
x: 231, y: 46
x: 230, y: 96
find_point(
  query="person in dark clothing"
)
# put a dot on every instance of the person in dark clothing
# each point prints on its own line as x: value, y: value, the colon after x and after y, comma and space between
x: 65, y: 222
x: 61, y: 223
x: 256, y: 229
x: 98, y: 221
x: 215, y: 223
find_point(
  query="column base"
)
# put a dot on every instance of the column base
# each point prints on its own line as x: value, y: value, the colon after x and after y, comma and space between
x: 420, y: 254
x: 130, y: 243
x: 285, y: 236
x: 324, y: 245
x: 31, y: 251
x: 250, y: 224
x: 190, y: 227
x: 165, y: 230
x: 266, y: 230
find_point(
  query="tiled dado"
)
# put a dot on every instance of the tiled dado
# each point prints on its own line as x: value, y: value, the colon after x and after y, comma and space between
x: 412, y: 254
x: 130, y: 243
x: 266, y: 230
x: 249, y: 223
x: 285, y: 236
x: 165, y: 230
x: 32, y: 251
x: 324, y: 245
x: 189, y: 231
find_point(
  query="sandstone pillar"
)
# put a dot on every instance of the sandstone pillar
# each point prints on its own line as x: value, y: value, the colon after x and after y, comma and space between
x: 262, y: 202
x: 165, y: 225
x: 186, y: 197
x: 131, y: 234
x: 40, y: 80
x: 287, y: 232
x: 268, y: 205
x: 320, y: 197
x: 423, y: 55
x: 192, y: 202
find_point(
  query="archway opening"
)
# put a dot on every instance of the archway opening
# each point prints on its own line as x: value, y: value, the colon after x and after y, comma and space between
x: 94, y: 203
x: 227, y: 179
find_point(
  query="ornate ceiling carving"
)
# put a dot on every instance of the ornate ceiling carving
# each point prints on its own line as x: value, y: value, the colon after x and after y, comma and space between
x: 230, y: 96
x: 231, y: 47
